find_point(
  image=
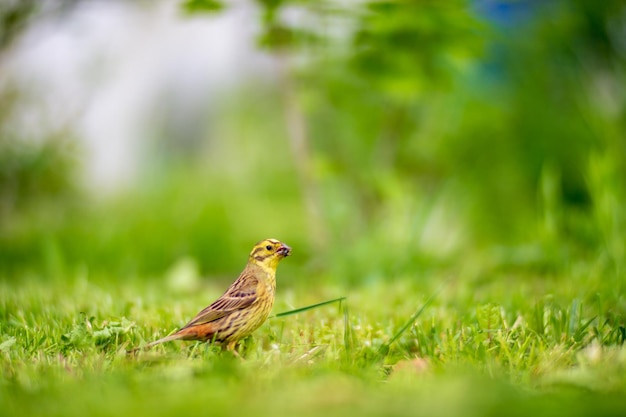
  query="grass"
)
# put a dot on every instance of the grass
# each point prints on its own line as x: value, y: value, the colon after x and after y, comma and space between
x: 510, y: 342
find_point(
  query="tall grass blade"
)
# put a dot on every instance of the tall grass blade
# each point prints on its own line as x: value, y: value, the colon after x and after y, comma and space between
x: 385, y: 348
x: 347, y: 331
x: 303, y: 309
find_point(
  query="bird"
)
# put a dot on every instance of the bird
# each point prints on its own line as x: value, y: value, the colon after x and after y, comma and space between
x: 244, y: 306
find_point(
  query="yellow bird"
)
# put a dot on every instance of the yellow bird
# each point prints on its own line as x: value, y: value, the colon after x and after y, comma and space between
x: 244, y: 306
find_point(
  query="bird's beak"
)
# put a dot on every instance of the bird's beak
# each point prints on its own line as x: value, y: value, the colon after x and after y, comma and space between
x: 284, y: 250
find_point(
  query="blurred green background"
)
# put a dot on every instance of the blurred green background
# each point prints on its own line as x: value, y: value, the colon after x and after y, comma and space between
x: 378, y: 138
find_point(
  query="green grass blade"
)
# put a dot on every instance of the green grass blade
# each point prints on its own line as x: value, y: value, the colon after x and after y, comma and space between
x: 303, y: 309
x: 347, y: 331
x: 385, y: 348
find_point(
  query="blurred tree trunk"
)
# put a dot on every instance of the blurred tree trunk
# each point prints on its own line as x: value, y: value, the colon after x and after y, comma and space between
x: 298, y: 136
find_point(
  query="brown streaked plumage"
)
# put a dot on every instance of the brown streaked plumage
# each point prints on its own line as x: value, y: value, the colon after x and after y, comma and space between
x: 244, y: 306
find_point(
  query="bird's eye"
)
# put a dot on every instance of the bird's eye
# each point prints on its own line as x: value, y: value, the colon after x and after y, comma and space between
x: 268, y: 247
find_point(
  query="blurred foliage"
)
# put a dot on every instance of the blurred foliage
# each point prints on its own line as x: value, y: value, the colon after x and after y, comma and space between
x: 17, y: 15
x: 13, y: 18
x: 494, y: 112
x: 212, y: 210
x: 37, y: 186
x: 32, y: 173
x: 485, y: 129
x: 207, y: 6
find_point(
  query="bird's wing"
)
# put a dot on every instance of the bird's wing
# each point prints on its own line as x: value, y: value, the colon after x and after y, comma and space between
x: 241, y: 294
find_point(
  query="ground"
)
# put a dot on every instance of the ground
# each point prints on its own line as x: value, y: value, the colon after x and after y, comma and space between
x: 446, y: 343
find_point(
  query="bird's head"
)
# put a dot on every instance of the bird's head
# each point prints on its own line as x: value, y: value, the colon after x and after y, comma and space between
x: 268, y: 253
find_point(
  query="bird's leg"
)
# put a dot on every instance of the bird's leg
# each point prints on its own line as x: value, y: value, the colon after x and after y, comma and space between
x: 231, y: 346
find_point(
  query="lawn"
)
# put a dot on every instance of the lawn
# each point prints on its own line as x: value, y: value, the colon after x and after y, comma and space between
x: 442, y: 342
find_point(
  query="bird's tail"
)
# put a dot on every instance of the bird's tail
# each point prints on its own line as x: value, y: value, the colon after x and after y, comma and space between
x: 171, y: 337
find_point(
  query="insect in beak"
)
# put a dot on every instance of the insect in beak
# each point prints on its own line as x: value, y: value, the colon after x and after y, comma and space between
x: 284, y: 250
